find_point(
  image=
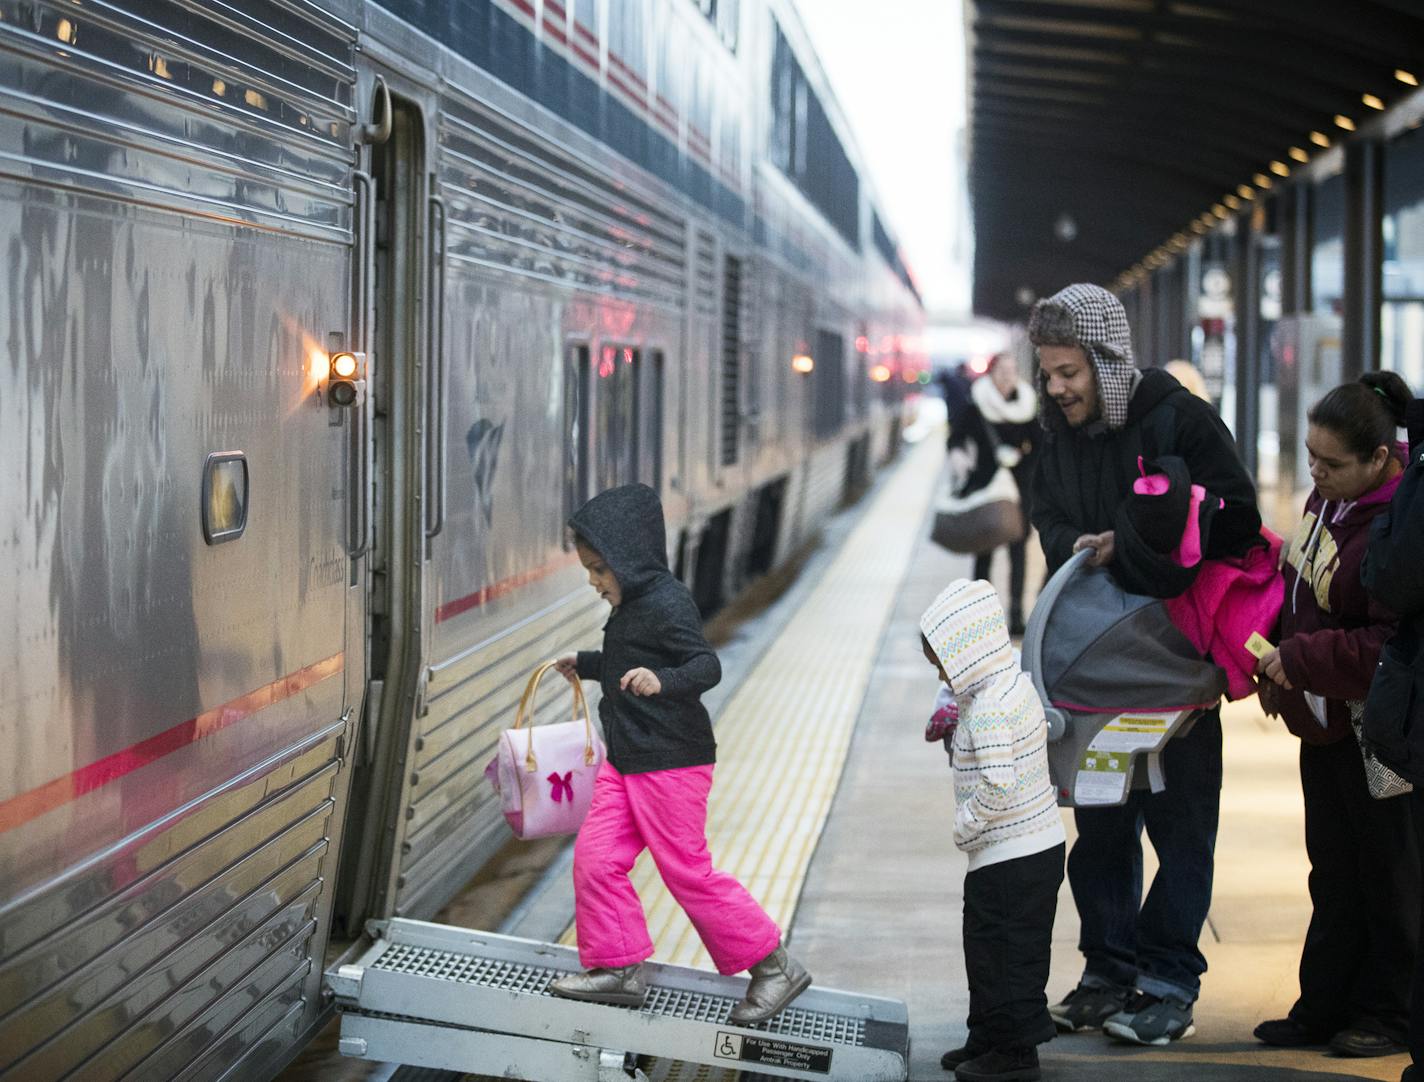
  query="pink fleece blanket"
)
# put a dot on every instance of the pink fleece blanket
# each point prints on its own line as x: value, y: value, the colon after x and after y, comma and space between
x: 1229, y: 600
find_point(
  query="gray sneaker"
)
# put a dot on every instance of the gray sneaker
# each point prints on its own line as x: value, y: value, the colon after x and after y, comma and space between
x: 776, y: 980
x: 1088, y: 1006
x: 1149, y: 1019
x: 622, y: 987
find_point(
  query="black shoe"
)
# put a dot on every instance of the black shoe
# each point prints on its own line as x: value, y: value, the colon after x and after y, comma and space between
x: 1087, y: 1007
x: 1149, y: 1019
x: 1288, y: 1033
x: 1362, y: 1044
x: 955, y: 1056
x: 1001, y: 1065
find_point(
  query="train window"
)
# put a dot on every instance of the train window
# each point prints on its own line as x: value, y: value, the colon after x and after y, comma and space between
x: 805, y: 145
x: 613, y: 427
x: 224, y: 511
x: 828, y: 384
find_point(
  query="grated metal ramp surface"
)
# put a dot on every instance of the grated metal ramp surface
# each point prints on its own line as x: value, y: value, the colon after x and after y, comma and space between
x: 451, y: 998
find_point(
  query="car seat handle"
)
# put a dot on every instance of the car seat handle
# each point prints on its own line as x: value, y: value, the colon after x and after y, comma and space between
x: 1033, y: 638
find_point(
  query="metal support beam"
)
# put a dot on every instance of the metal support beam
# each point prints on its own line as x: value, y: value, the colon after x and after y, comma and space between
x: 1145, y: 333
x: 1246, y: 297
x: 1294, y: 223
x: 1363, y: 254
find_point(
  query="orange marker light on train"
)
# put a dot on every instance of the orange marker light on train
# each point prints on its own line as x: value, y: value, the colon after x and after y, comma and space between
x: 803, y: 363
x: 346, y: 385
x: 880, y: 373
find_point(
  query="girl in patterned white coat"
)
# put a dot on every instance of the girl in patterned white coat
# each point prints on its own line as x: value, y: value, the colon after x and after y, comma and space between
x: 1008, y: 823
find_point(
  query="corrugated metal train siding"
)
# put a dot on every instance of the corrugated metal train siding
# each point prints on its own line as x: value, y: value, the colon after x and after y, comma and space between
x: 196, y: 907
x: 187, y: 945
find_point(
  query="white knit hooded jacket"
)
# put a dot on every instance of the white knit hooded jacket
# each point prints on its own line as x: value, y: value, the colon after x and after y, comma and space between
x: 1006, y: 804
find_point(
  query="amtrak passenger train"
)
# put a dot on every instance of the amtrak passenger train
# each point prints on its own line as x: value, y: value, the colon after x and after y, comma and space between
x: 318, y: 320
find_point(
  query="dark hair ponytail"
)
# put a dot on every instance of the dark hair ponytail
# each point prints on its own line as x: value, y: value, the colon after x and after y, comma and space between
x: 1366, y: 413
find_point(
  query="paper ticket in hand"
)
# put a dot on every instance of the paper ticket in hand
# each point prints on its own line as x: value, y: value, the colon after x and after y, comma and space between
x: 1259, y: 645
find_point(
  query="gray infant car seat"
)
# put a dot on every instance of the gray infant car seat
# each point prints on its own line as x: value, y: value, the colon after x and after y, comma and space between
x: 1117, y: 680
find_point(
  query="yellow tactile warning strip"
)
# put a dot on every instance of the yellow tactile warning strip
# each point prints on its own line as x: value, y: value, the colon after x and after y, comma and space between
x: 783, y: 736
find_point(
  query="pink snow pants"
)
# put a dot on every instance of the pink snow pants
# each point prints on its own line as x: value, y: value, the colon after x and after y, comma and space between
x: 665, y: 812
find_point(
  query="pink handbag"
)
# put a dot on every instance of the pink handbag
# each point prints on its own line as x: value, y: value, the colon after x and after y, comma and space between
x: 544, y: 774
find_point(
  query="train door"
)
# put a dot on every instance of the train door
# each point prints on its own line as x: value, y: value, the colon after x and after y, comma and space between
x: 400, y: 264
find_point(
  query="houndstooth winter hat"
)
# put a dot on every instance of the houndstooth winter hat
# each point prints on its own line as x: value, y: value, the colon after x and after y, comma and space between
x: 1089, y: 316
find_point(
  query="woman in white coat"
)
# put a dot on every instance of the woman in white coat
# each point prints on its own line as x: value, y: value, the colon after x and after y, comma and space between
x: 1009, y: 406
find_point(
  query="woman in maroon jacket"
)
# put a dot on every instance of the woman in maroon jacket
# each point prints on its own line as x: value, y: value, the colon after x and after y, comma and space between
x: 1358, y: 958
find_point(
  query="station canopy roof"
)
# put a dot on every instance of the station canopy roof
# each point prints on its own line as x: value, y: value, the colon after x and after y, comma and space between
x: 1103, y: 129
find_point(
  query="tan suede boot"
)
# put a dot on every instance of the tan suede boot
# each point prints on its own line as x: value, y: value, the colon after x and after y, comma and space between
x: 622, y: 987
x: 776, y: 980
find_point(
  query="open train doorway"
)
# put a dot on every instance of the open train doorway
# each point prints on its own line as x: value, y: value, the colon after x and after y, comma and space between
x: 395, y: 260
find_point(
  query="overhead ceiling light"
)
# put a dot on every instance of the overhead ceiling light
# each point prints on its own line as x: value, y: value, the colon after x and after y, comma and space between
x: 1281, y: 169
x: 1199, y: 227
x: 1220, y: 211
x: 1320, y: 139
x: 1372, y: 101
x: 1299, y: 155
x: 1408, y: 78
x: 1342, y: 121
x: 1231, y: 201
x: 1245, y: 191
x: 1262, y: 181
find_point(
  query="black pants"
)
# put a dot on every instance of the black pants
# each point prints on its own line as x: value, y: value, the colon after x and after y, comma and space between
x: 1358, y: 959
x: 1008, y: 933
x: 1416, y: 1009
x: 1152, y: 945
x: 982, y: 562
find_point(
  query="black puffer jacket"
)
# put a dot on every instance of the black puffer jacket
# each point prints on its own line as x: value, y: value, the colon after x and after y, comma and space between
x: 1085, y: 476
x: 656, y: 626
x: 1393, y: 573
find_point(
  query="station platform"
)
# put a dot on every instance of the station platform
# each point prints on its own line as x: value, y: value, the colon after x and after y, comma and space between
x: 836, y: 813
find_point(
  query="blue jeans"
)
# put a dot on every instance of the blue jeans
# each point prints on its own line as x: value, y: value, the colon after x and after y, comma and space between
x: 1152, y: 946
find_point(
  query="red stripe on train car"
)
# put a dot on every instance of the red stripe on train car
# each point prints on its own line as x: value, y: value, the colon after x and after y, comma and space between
x: 486, y: 594
x: 44, y: 798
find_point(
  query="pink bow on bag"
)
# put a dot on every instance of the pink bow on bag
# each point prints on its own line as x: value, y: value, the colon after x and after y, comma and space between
x: 544, y: 773
x: 561, y: 786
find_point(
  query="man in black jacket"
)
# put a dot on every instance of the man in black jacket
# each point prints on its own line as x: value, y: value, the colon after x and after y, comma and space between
x: 1142, y: 970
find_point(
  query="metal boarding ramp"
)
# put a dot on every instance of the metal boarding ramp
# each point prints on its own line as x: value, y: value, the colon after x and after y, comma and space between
x: 431, y: 995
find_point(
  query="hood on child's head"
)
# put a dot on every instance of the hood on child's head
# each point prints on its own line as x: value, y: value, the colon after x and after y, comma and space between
x: 966, y: 629
x: 624, y: 525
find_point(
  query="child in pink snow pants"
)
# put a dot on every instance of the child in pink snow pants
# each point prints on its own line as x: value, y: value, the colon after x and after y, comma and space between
x: 652, y: 791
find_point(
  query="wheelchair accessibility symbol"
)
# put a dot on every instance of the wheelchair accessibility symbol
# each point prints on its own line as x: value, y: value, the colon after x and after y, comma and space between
x: 729, y: 1046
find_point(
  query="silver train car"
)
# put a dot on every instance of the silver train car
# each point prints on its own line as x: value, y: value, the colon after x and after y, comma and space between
x: 319, y: 318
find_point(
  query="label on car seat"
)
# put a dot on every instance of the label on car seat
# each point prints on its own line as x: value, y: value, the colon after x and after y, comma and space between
x: 1105, y: 770
x: 1102, y: 778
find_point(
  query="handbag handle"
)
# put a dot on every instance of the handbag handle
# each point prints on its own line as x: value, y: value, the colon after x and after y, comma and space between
x: 525, y: 710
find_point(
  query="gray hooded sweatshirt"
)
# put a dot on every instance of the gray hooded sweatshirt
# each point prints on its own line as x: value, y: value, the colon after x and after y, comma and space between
x: 655, y: 626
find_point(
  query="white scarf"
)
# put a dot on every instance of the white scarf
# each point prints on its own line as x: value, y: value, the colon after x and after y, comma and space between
x: 997, y: 409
